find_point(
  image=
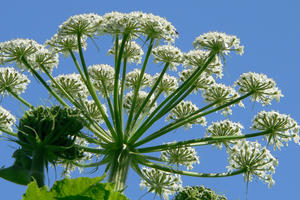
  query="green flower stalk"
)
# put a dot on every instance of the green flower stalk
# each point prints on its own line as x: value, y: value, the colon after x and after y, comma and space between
x: 109, y: 113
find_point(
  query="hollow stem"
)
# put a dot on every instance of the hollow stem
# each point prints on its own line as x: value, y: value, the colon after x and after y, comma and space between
x: 37, y: 166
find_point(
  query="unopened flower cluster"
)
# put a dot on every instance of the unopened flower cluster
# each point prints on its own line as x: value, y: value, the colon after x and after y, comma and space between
x: 7, y: 120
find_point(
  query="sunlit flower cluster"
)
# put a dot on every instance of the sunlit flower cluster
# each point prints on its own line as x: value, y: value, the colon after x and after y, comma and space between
x: 255, y: 160
x: 132, y: 79
x: 142, y: 95
x: 161, y: 183
x: 168, y: 54
x: 103, y: 77
x: 84, y: 24
x: 167, y: 85
x: 12, y: 81
x: 224, y: 128
x: 203, y: 82
x: 184, y: 109
x: 219, y: 43
x: 197, y: 58
x: 281, y: 127
x: 7, y: 120
x: 221, y: 94
x: 72, y: 84
x: 93, y: 111
x: 186, y: 156
x: 262, y: 88
x: 132, y: 52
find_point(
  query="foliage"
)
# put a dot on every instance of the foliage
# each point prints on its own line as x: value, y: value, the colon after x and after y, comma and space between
x: 198, y: 193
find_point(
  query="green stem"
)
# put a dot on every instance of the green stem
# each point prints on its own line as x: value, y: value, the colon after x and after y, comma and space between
x: 92, y: 90
x: 26, y: 103
x: 37, y: 166
x: 60, y: 100
x: 77, y: 66
x: 8, y: 132
x: 195, y: 174
x: 122, y: 91
x: 171, y: 98
x: 199, y: 142
x: 180, y: 122
x: 128, y: 124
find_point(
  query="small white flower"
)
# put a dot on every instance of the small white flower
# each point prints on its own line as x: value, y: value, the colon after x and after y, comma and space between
x: 263, y: 89
x: 224, y: 128
x: 203, y: 82
x: 92, y: 110
x: 103, y: 77
x: 72, y: 84
x: 139, y: 101
x: 133, y: 77
x: 257, y: 161
x: 132, y: 52
x: 186, y: 156
x: 7, y: 120
x: 167, y: 85
x: 161, y: 183
x: 219, y: 43
x: 12, y: 80
x: 183, y: 109
x: 197, y: 58
x: 282, y: 127
x: 84, y: 24
x: 168, y: 54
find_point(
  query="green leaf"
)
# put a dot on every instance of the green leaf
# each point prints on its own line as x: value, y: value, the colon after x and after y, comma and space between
x: 33, y: 192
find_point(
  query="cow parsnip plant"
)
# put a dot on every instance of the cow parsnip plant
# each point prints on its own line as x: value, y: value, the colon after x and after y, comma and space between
x: 117, y: 107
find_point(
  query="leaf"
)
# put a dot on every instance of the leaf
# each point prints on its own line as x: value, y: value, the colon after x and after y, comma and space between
x: 33, y: 192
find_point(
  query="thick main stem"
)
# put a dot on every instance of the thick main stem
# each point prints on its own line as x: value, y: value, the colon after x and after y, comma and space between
x: 37, y: 166
x: 119, y: 169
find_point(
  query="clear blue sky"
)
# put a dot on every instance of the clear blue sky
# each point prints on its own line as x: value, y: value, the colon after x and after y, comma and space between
x: 270, y: 32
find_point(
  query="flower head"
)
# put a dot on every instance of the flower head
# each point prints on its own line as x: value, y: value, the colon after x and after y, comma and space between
x: 93, y: 111
x: 203, y: 82
x: 186, y: 156
x: 132, y: 79
x: 149, y: 107
x: 224, y: 128
x: 7, y: 120
x: 167, y: 85
x: 262, y: 88
x: 221, y: 94
x: 218, y: 43
x: 132, y: 52
x: 168, y: 54
x: 184, y: 109
x: 159, y: 182
x: 255, y: 160
x: 12, y: 80
x: 72, y: 84
x: 281, y: 127
x: 103, y: 77
x: 197, y: 58
x: 84, y: 24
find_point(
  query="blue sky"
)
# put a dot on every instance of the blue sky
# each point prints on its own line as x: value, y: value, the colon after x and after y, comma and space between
x: 269, y: 30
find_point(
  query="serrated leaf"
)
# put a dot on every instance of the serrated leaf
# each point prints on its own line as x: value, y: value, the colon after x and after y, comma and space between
x: 33, y: 192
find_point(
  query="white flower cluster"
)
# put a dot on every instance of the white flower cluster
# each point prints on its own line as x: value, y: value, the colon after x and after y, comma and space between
x: 84, y: 24
x: 224, y: 128
x: 219, y: 43
x: 167, y: 85
x: 12, y: 80
x: 221, y: 94
x: 93, y: 111
x: 168, y: 54
x: 161, y: 183
x: 132, y: 79
x: 183, y: 109
x: 263, y: 89
x: 197, y: 58
x: 203, y: 82
x: 142, y: 95
x: 103, y: 77
x: 132, y: 52
x: 281, y: 127
x: 7, y: 120
x: 186, y: 156
x: 257, y: 161
x: 72, y: 84
x: 65, y: 44
x: 35, y: 54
